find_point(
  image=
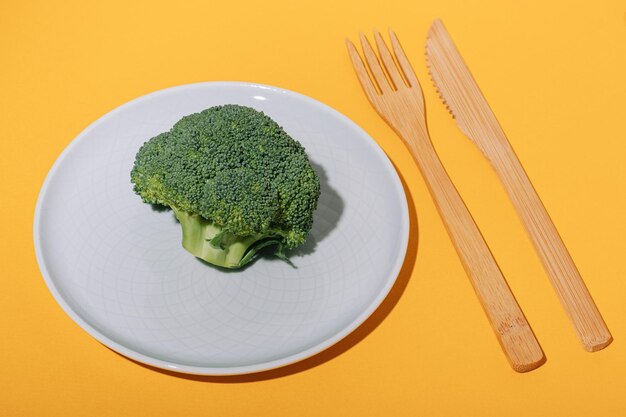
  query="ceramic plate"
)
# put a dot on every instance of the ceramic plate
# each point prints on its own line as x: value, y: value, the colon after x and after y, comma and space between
x: 117, y: 268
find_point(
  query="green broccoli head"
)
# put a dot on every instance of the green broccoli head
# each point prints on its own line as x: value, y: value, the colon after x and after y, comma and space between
x: 236, y: 181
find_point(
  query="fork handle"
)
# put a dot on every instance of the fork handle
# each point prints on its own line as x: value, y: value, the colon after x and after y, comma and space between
x: 505, y: 316
x: 566, y: 280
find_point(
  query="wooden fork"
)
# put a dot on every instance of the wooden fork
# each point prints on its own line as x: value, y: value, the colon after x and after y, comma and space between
x: 395, y: 93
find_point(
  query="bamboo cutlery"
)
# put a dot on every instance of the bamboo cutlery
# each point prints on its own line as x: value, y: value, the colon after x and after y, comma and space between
x: 395, y: 93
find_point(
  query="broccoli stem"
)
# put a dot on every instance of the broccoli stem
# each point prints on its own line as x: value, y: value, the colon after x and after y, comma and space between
x: 209, y: 242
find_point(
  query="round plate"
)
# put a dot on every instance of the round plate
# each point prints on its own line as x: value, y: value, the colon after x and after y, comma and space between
x: 117, y: 268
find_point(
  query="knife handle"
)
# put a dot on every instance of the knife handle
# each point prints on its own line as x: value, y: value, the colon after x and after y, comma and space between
x: 566, y: 280
x: 505, y: 316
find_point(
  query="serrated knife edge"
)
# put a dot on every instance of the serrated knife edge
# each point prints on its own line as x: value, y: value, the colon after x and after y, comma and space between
x: 458, y: 89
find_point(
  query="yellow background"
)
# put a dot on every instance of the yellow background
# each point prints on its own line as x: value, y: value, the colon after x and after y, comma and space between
x: 553, y: 72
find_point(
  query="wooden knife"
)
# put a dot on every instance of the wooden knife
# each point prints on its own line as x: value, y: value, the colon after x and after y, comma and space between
x: 468, y: 106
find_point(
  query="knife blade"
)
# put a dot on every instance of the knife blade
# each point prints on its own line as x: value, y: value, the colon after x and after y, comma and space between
x: 476, y: 120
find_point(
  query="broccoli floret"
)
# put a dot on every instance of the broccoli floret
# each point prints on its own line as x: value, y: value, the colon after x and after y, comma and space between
x: 236, y: 181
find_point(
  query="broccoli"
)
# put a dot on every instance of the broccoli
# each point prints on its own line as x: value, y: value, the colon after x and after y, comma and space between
x: 236, y: 181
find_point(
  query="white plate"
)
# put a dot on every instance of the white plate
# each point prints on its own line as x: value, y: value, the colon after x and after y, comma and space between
x: 117, y: 268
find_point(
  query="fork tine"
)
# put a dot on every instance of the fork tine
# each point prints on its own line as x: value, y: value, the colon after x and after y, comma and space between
x: 388, y: 62
x: 403, y: 61
x: 372, y: 62
x: 361, y: 72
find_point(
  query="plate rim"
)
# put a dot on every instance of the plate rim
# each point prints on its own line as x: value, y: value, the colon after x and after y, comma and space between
x: 227, y: 370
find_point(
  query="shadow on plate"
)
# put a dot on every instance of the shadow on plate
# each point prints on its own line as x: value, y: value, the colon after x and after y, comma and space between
x: 329, y: 210
x: 346, y: 343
